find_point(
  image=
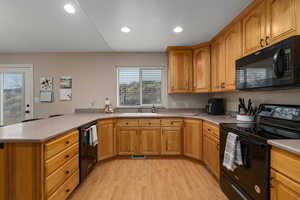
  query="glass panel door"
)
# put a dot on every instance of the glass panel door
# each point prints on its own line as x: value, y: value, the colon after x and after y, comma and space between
x: 15, y: 95
x: 13, y: 98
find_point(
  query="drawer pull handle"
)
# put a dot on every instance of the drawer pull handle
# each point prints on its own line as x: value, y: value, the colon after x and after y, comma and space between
x: 67, y: 156
x: 126, y: 123
x: 172, y: 123
x: 149, y: 123
x: 68, y: 190
x: 209, y: 129
x: 68, y: 142
x: 67, y: 172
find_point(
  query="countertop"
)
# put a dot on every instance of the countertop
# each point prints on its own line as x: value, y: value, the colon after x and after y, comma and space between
x: 292, y: 146
x: 46, y: 129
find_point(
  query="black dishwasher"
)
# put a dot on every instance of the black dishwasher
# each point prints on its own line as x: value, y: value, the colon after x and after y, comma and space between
x: 87, y: 151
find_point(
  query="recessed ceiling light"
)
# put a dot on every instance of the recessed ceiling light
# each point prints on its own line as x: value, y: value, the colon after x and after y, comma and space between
x: 69, y: 8
x: 177, y: 29
x: 125, y: 29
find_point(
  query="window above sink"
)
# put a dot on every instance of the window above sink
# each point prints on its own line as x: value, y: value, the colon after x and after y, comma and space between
x: 139, y: 86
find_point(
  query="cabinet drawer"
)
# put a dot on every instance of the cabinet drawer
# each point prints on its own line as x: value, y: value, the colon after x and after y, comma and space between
x: 128, y: 122
x: 56, y: 179
x: 106, y: 121
x: 172, y: 122
x: 60, y: 159
x: 58, y: 145
x: 211, y: 129
x: 149, y: 122
x: 67, y: 188
x: 286, y: 163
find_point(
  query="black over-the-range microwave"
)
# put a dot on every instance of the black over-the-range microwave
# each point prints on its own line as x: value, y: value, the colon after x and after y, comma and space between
x: 277, y: 66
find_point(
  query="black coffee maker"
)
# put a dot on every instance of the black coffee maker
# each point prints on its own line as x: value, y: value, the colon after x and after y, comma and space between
x: 216, y: 106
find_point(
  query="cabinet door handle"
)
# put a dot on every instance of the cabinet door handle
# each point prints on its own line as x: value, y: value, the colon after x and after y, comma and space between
x: 67, y: 156
x: 67, y: 172
x: 267, y: 40
x: 222, y: 85
x: 261, y: 42
x: 67, y: 142
x: 68, y: 190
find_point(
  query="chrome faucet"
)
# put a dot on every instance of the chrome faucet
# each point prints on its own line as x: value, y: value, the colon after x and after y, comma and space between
x: 153, y: 109
x: 140, y: 110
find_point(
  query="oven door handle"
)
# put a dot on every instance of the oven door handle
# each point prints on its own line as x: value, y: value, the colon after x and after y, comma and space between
x: 252, y: 141
x: 278, y: 63
x: 239, y: 192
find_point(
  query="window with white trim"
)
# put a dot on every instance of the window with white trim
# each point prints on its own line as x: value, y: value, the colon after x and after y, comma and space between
x: 139, y: 86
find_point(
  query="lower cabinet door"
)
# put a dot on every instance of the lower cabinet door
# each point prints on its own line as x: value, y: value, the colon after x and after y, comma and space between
x: 211, y: 154
x: 150, y: 141
x: 193, y: 138
x: 171, y: 141
x: 283, y: 188
x: 128, y: 141
x: 106, y: 139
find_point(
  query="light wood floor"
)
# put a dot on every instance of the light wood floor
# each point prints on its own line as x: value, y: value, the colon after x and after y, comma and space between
x: 149, y: 179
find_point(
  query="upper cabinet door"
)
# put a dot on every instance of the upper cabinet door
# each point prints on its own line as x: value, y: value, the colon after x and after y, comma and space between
x: 217, y: 65
x: 281, y: 20
x: 254, y: 29
x: 201, y: 82
x: 232, y: 51
x: 180, y: 71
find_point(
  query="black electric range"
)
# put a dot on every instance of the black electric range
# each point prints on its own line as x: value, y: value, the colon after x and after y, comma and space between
x: 250, y: 181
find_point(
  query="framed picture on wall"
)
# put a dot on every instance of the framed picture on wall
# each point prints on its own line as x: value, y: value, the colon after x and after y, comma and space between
x: 65, y: 91
x: 65, y: 82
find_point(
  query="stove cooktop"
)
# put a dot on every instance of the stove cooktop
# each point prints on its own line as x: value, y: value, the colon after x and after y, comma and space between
x: 262, y: 131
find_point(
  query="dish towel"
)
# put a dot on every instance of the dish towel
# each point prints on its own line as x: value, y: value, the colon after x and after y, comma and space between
x: 94, y: 136
x: 238, y: 154
x: 232, y: 154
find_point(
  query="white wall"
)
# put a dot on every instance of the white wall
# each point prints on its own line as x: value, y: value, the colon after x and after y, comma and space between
x: 94, y: 78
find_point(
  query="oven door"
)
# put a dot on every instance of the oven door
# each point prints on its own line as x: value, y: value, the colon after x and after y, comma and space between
x: 270, y: 67
x: 253, y: 175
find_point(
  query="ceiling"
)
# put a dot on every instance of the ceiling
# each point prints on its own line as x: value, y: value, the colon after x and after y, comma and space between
x: 44, y: 26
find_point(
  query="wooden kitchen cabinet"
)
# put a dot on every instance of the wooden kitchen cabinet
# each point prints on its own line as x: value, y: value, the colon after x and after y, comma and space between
x: 281, y: 20
x: 3, y: 171
x: 106, y: 137
x: 180, y: 70
x: 217, y: 65
x: 150, y: 141
x: 128, y: 143
x: 285, y: 175
x: 269, y: 22
x: 201, y: 69
x: 254, y: 29
x: 211, y: 154
x: 211, y: 143
x: 171, y: 141
x: 40, y: 171
x: 283, y: 188
x: 232, y: 52
x: 193, y: 138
